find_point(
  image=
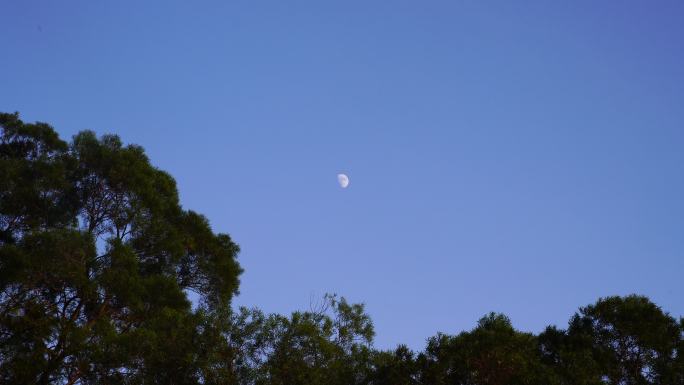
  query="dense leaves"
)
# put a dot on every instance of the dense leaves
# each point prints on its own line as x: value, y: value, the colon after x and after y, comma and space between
x: 97, y: 258
x: 329, y: 344
x: 618, y: 340
x: 491, y: 354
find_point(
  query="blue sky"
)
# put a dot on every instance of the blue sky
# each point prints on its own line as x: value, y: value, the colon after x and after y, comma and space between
x: 520, y: 157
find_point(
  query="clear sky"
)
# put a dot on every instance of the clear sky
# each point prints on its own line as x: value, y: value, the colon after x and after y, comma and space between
x: 525, y: 157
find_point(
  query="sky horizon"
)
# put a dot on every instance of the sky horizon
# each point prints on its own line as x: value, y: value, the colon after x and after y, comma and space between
x: 518, y: 158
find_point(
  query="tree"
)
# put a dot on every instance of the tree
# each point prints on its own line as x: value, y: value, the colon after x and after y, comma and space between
x: 679, y: 361
x: 96, y: 258
x: 397, y: 367
x: 329, y: 344
x: 493, y: 353
x: 631, y: 340
x: 570, y: 357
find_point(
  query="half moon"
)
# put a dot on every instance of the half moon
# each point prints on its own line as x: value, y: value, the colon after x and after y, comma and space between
x: 343, y: 180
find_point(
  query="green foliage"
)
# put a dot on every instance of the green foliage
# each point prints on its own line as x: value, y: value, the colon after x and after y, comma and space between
x: 97, y: 258
x: 326, y: 345
x: 397, y: 367
x: 492, y: 353
x: 618, y: 340
x: 632, y: 339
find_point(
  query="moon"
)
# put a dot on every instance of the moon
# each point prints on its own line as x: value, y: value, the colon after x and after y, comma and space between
x: 343, y: 180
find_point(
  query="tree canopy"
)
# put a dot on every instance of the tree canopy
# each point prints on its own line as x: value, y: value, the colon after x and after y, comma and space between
x: 97, y: 260
x: 96, y: 257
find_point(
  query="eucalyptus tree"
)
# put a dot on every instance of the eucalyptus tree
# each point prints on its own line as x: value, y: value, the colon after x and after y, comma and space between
x: 395, y: 367
x: 618, y: 340
x: 493, y: 353
x: 632, y: 340
x: 96, y: 261
x: 329, y: 344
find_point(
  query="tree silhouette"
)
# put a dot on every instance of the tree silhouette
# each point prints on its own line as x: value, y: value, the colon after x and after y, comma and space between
x: 96, y: 256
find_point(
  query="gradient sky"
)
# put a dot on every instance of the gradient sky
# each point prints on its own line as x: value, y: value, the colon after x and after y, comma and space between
x: 525, y: 157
